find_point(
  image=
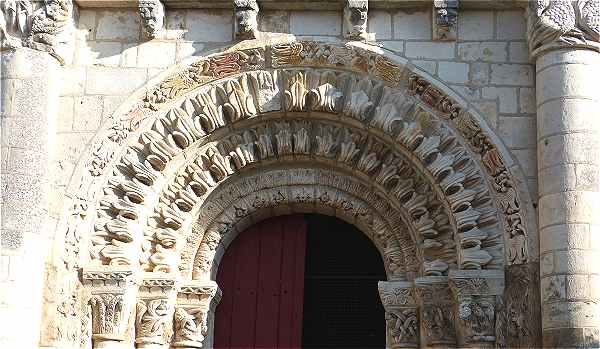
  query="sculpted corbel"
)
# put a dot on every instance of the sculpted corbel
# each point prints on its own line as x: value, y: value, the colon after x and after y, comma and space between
x: 154, y: 309
x: 355, y: 20
x: 195, y: 303
x: 401, y: 316
x: 152, y: 13
x: 445, y: 19
x: 112, y: 295
x: 246, y: 19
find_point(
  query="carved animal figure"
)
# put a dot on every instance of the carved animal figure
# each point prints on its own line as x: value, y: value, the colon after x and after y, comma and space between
x: 552, y: 21
x: 588, y: 17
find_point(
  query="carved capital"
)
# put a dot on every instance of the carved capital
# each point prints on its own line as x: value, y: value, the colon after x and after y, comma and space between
x: 401, y: 316
x: 355, y: 20
x: 558, y: 24
x: 152, y: 13
x: 194, y: 303
x: 112, y: 293
x: 154, y: 308
x: 445, y: 19
x: 246, y: 19
x: 437, y: 311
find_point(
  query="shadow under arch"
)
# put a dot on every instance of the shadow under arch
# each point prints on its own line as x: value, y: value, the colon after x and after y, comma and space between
x: 132, y: 176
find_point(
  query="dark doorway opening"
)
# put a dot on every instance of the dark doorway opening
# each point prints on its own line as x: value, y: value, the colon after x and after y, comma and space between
x: 342, y: 308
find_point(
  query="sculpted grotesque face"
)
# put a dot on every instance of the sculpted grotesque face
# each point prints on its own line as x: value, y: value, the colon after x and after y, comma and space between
x: 358, y: 18
x: 246, y: 13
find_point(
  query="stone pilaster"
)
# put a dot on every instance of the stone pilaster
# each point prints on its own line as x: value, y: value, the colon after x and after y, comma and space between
x: 112, y: 297
x: 437, y: 312
x: 28, y: 107
x: 563, y: 38
x: 401, y: 315
x: 195, y: 307
x: 476, y: 294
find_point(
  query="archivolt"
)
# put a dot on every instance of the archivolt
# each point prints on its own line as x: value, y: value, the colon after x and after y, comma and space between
x: 351, y: 109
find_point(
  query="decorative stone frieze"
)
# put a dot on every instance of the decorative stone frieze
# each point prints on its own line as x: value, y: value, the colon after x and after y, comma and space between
x: 152, y: 13
x: 355, y: 20
x: 41, y: 26
x: 445, y: 19
x: 556, y: 24
x: 154, y: 309
x: 438, y: 319
x: 195, y: 302
x: 246, y: 19
x: 112, y: 298
x: 401, y: 316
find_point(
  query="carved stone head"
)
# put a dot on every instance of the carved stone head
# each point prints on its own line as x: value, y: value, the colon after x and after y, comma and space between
x: 152, y: 14
x: 246, y: 19
x: 355, y: 17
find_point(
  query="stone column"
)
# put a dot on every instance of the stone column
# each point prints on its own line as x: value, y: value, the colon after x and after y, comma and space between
x: 194, y: 311
x: 112, y: 298
x: 401, y: 315
x: 568, y: 138
x: 28, y: 107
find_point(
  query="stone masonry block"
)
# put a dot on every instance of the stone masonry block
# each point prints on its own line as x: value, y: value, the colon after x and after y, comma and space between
x: 65, y: 114
x: 396, y: 46
x: 25, y: 161
x: 482, y: 51
x: 104, y: 53
x: 428, y: 66
x: 578, y: 287
x: 11, y: 239
x: 72, y: 80
x: 527, y: 100
x: 87, y: 22
x: 512, y: 74
x: 518, y: 52
x: 569, y: 207
x: 471, y: 93
x: 517, y: 132
x: 88, y: 113
x: 489, y: 110
x: 564, y: 237
x: 156, y: 54
x: 122, y: 25
x: 109, y: 81
x: 316, y: 23
x: 547, y: 263
x: 479, y: 74
x: 412, y: 26
x: 213, y: 26
x: 274, y: 21
x: 557, y: 179
x: 475, y: 25
x: 569, y: 148
x: 380, y: 23
x: 506, y: 96
x: 568, y: 80
x: 511, y: 25
x: 553, y: 288
x: 453, y: 72
x: 527, y: 160
x: 430, y: 50
x: 570, y: 55
x: 567, y: 115
x: 175, y: 25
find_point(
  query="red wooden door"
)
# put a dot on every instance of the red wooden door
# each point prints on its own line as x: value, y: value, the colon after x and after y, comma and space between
x: 262, y: 279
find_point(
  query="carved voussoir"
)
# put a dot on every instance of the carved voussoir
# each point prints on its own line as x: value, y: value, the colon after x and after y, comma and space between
x: 195, y: 302
x: 154, y: 308
x: 445, y: 19
x: 112, y: 294
x: 401, y: 316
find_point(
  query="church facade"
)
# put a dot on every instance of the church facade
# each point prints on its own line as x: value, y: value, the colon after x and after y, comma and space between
x: 143, y: 141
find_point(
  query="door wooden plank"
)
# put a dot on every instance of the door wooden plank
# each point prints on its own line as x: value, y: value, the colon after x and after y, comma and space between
x: 245, y: 286
x: 269, y: 283
x: 299, y: 223
x: 224, y: 311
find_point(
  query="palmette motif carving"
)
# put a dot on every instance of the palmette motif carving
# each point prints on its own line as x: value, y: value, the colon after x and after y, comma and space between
x: 563, y: 23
